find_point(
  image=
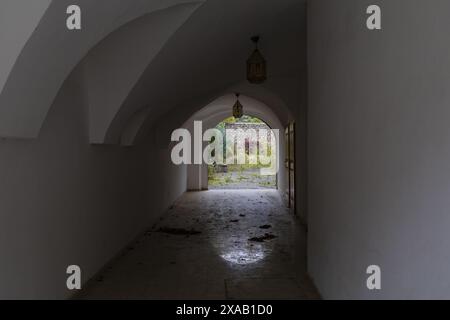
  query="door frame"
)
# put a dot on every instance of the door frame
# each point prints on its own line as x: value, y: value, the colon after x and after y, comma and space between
x: 290, y: 167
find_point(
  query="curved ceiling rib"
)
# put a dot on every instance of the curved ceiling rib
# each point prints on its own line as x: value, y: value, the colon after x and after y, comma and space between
x: 269, y: 106
x: 12, y: 43
x: 116, y: 64
x: 219, y: 109
x: 52, y: 52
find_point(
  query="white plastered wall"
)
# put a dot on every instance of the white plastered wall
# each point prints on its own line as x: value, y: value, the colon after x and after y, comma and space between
x: 379, y: 148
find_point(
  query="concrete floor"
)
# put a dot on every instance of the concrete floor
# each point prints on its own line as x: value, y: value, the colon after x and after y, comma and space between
x: 218, y: 263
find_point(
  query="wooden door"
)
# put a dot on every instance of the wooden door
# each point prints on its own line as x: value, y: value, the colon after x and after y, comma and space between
x: 290, y: 165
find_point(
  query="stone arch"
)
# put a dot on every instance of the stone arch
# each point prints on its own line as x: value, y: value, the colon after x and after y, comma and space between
x: 216, y: 111
x: 143, y: 121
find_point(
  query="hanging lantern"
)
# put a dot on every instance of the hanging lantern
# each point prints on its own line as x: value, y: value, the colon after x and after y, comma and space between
x: 238, y: 109
x: 256, y: 65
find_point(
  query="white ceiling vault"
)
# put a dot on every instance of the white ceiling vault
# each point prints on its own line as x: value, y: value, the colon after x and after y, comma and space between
x: 143, y: 60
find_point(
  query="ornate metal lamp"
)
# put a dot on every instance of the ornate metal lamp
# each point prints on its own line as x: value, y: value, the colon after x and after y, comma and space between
x: 238, y: 109
x: 256, y: 65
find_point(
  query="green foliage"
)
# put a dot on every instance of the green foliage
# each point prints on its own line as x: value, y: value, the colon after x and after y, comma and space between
x: 244, y: 119
x: 228, y: 179
x: 221, y: 179
x: 249, y: 119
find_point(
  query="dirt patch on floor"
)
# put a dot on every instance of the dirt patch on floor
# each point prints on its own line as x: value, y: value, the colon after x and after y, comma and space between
x: 266, y: 237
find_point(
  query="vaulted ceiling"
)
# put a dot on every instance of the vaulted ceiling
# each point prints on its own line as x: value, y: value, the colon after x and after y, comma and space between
x: 144, y: 60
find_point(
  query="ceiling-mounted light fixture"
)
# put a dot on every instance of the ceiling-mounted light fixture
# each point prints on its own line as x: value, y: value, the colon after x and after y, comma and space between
x: 256, y: 65
x: 238, y: 109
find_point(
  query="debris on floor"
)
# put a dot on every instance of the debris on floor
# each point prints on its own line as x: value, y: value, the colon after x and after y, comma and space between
x: 266, y: 226
x: 234, y: 221
x: 179, y: 231
x: 267, y: 236
x: 176, y: 267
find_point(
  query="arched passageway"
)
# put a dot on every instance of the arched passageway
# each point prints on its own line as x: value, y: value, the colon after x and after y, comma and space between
x: 93, y: 122
x: 85, y: 163
x: 220, y: 109
x: 217, y: 244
